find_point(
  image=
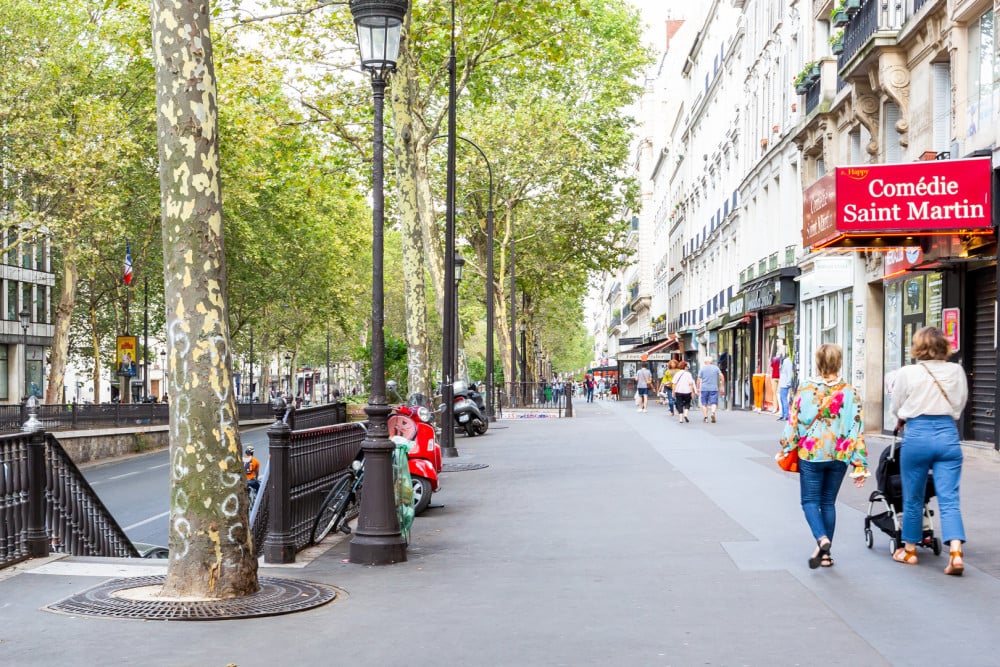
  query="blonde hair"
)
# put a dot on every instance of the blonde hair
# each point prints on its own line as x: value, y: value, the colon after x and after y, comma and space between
x: 829, y: 359
x: 929, y: 343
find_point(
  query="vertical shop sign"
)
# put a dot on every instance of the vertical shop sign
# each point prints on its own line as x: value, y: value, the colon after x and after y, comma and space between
x: 950, y: 324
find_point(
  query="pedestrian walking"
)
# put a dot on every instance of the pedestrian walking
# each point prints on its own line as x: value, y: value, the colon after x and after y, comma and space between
x: 589, y: 386
x: 643, y: 380
x: 710, y: 379
x: 787, y: 374
x: 667, y: 384
x: 683, y: 390
x: 826, y: 431
x: 927, y: 398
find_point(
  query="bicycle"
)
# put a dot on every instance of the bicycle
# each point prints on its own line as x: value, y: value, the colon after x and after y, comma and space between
x: 343, y: 499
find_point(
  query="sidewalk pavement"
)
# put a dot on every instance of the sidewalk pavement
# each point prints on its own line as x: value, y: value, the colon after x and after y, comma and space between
x: 613, y: 538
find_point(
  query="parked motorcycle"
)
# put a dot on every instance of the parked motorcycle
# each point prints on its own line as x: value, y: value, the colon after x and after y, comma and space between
x: 469, y: 409
x: 413, y: 420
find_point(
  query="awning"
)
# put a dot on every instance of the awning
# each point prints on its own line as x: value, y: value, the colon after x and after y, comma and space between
x: 735, y: 323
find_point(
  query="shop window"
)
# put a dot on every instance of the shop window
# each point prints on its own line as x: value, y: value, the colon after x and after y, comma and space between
x: 982, y: 88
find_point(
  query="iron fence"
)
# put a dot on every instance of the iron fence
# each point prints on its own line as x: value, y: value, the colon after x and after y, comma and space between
x: 302, y: 468
x: 47, y: 505
x: 72, y: 416
x: 549, y: 396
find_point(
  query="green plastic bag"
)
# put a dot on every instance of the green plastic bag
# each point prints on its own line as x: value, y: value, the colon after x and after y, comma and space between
x: 402, y: 485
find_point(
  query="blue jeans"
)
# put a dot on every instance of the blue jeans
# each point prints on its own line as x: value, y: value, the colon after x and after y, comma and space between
x: 590, y: 394
x: 783, y: 393
x: 819, y: 483
x: 930, y: 442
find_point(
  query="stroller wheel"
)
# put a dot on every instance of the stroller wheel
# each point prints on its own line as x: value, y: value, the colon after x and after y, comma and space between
x: 892, y: 545
x: 869, y: 538
x: 936, y: 546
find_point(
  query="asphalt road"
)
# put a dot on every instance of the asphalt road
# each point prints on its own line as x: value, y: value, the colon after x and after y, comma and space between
x: 136, y: 489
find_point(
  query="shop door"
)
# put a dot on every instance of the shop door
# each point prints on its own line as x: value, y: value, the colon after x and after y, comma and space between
x: 981, y: 358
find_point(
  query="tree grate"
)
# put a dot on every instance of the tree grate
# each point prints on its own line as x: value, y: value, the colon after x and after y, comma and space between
x: 275, y: 597
x: 462, y: 467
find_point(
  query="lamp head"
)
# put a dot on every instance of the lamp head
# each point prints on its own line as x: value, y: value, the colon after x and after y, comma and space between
x: 379, y: 24
x: 25, y: 317
x: 459, y: 266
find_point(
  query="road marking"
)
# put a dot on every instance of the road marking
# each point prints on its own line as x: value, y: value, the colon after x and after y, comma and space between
x: 129, y: 474
x: 145, y: 521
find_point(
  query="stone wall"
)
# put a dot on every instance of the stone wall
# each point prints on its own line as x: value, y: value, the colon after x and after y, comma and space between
x: 89, y: 446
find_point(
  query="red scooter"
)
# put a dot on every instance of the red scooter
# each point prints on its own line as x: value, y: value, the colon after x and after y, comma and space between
x: 413, y: 421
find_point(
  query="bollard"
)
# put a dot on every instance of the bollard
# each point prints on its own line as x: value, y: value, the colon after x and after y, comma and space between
x: 36, y: 538
x: 279, y: 547
x: 568, y: 393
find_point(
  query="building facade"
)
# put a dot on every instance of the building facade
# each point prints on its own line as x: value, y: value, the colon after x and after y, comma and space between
x: 763, y: 240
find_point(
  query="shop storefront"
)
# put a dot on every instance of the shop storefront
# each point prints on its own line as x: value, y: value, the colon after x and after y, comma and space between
x: 735, y: 354
x: 771, y: 303
x: 944, y: 274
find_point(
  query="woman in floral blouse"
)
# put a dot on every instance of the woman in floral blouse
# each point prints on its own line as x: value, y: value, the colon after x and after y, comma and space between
x: 826, y: 428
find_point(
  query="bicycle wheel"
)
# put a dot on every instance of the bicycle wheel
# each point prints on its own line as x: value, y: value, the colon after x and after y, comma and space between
x: 332, y: 510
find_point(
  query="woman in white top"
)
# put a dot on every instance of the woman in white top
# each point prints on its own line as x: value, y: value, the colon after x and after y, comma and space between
x: 928, y: 397
x: 683, y: 390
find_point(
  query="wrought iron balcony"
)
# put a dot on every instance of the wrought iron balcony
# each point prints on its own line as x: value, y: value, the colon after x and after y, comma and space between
x: 874, y: 16
x: 813, y: 95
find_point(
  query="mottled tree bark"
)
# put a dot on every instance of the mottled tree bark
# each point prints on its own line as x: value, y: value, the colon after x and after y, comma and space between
x: 62, y: 317
x: 211, y: 554
x: 414, y: 268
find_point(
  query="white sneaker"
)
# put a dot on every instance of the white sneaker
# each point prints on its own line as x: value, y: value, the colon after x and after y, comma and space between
x: 644, y: 409
x: 638, y: 409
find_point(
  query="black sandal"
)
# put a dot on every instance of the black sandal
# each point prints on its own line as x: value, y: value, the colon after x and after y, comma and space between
x: 817, y: 559
x: 826, y: 560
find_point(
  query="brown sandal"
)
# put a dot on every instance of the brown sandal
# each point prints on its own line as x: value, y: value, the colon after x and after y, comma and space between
x: 955, y: 568
x: 906, y: 556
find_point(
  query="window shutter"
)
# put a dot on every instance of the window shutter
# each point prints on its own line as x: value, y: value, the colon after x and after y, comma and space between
x: 941, y: 105
x: 890, y: 138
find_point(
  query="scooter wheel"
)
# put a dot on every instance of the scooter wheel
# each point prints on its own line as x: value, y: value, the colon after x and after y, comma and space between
x: 421, y: 493
x: 470, y: 429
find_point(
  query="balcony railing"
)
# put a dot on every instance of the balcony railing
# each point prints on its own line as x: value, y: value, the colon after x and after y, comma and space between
x: 813, y: 96
x: 860, y: 29
x: 873, y: 17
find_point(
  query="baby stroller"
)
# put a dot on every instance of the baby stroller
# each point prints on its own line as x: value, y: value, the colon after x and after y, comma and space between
x: 885, y: 505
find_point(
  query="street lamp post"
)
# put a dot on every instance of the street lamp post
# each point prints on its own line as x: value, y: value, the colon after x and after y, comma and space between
x: 489, y: 284
x: 377, y: 539
x: 448, y: 342
x: 163, y: 374
x: 459, y: 270
x: 288, y: 363
x: 25, y: 317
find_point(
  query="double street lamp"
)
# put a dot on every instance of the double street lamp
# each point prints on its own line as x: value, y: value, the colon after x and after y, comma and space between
x: 377, y: 539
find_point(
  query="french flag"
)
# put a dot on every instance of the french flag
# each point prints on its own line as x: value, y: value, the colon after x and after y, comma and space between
x: 128, y: 264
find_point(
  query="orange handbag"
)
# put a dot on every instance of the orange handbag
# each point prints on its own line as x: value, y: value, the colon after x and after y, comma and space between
x: 790, y: 461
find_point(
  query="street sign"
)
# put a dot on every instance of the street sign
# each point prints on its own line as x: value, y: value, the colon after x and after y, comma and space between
x: 634, y: 340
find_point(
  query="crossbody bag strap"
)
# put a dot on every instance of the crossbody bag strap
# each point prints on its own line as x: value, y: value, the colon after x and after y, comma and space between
x: 940, y: 388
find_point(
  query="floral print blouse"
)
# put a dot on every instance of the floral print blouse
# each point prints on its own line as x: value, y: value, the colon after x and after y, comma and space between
x: 825, y: 423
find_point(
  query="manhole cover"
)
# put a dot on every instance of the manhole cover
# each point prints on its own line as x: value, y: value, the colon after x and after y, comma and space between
x: 121, y: 598
x: 461, y: 467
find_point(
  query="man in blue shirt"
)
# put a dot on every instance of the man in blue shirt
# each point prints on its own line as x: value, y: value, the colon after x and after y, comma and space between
x: 710, y: 379
x: 785, y: 379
